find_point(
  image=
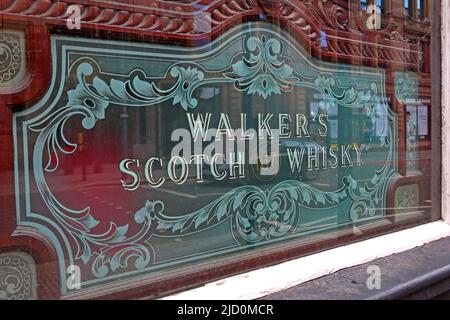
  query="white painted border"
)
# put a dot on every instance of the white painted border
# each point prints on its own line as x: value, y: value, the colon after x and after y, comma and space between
x: 259, y: 283
x: 445, y: 37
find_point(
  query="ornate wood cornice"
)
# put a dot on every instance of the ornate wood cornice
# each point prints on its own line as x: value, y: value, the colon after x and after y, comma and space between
x: 327, y: 26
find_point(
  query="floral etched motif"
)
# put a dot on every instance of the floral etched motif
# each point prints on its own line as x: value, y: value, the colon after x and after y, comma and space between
x: 406, y: 87
x: 255, y: 215
x: 185, y: 86
x: 133, y: 91
x: 406, y: 197
x: 262, y: 72
x: 10, y: 57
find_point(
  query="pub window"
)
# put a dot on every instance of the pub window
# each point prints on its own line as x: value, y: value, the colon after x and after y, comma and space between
x: 160, y: 145
x: 415, y: 8
x: 418, y: 8
x: 383, y: 5
x: 376, y: 12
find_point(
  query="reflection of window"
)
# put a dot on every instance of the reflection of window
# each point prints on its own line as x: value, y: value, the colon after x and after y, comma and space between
x: 381, y: 121
x: 383, y: 5
x: 418, y: 8
x: 143, y: 126
x: 418, y: 122
x: 415, y: 8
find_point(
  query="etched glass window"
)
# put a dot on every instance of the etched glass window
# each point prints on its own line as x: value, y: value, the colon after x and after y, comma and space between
x: 160, y: 140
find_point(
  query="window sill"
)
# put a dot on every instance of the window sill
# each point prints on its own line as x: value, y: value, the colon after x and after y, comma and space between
x: 267, y: 281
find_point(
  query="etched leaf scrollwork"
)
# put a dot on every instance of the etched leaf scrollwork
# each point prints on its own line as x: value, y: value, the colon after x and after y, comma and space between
x: 262, y: 72
x: 255, y: 215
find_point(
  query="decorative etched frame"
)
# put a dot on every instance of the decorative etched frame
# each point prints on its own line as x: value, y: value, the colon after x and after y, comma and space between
x: 262, y: 62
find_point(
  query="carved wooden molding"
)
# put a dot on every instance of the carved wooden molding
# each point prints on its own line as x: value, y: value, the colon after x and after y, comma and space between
x: 12, y: 57
x: 317, y: 22
x: 17, y: 277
